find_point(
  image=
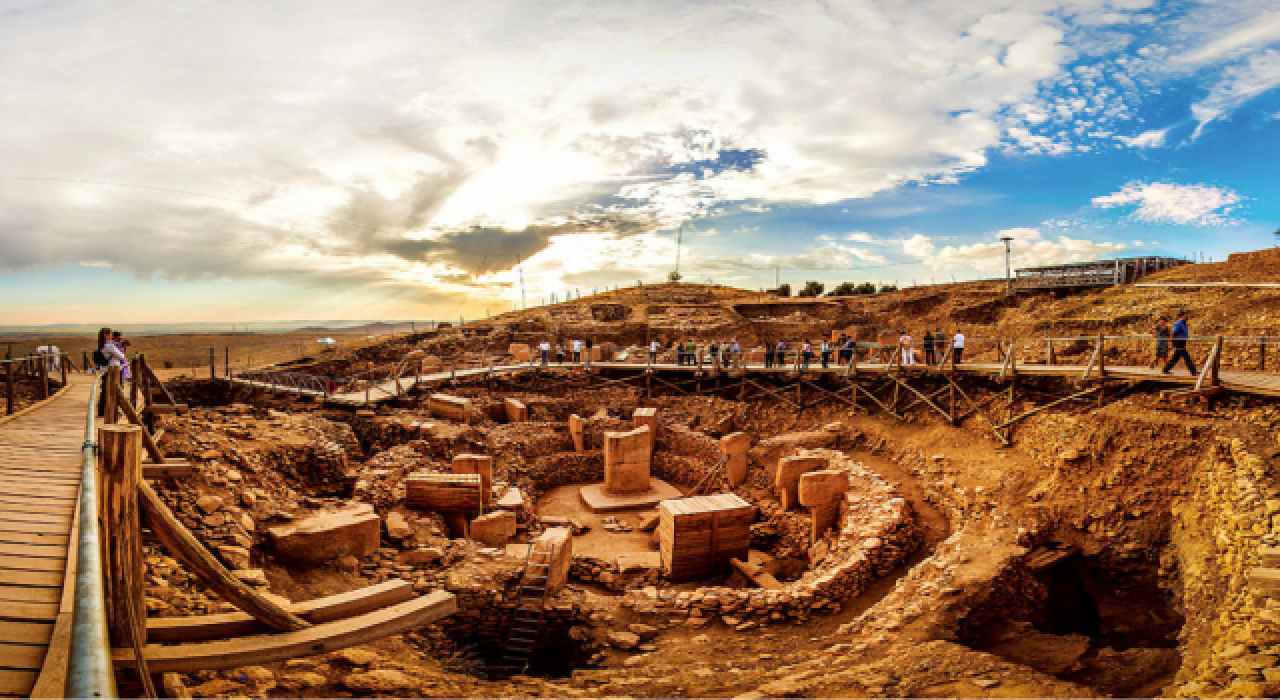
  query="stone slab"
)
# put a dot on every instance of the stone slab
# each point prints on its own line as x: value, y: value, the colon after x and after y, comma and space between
x: 627, y: 460
x: 575, y: 432
x: 516, y: 411
x: 646, y: 416
x: 352, y: 530
x: 601, y: 501
x: 735, y: 446
x: 629, y: 562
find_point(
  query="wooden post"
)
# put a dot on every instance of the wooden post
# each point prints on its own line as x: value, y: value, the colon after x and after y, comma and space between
x: 84, y: 355
x: 135, y: 369
x: 1262, y: 354
x: 120, y: 464
x: 1216, y: 361
x: 111, y: 409
x: 1053, y: 356
x: 8, y: 387
x: 42, y: 374
x: 213, y: 365
x: 131, y: 415
x: 62, y: 365
x: 1102, y: 355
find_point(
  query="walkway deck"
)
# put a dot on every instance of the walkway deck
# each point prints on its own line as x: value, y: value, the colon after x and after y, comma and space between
x: 1259, y: 383
x: 40, y: 458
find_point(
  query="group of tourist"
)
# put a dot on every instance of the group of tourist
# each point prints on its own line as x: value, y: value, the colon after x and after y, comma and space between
x: 112, y: 351
x: 574, y: 351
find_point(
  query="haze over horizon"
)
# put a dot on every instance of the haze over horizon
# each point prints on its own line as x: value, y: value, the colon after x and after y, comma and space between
x: 204, y: 161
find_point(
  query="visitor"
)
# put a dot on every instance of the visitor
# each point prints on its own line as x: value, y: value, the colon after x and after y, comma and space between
x: 126, y: 370
x: 1181, y: 332
x: 928, y: 347
x: 559, y: 353
x: 100, y: 359
x: 908, y: 350
x: 735, y: 353
x: 544, y: 349
x: 957, y: 347
x: 1162, y: 334
x: 806, y: 353
x: 691, y: 352
x: 679, y: 353
x: 780, y: 354
x: 768, y: 354
x: 714, y: 351
x: 940, y: 341
x: 577, y: 350
x: 826, y: 353
x: 588, y: 345
x: 654, y: 347
x: 850, y: 347
x: 114, y: 350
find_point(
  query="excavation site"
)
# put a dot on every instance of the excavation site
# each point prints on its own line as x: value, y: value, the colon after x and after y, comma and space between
x: 662, y: 511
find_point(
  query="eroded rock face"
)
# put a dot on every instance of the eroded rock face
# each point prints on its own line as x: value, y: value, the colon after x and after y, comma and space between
x: 349, y: 531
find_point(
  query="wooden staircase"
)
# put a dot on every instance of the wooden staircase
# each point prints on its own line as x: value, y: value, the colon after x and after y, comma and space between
x: 528, y: 622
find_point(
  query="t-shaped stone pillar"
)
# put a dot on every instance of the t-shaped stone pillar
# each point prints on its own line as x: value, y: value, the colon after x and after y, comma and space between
x: 575, y: 432
x: 477, y: 464
x: 787, y: 479
x: 821, y: 492
x: 735, y: 445
x: 627, y: 458
x: 558, y: 540
x: 646, y: 416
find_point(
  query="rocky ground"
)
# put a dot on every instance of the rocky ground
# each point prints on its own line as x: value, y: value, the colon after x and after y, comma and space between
x: 1106, y: 552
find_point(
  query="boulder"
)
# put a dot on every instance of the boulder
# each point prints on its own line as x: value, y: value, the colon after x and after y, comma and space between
x: 384, y: 681
x: 233, y: 557
x: 349, y: 531
x: 398, y: 527
x: 624, y: 640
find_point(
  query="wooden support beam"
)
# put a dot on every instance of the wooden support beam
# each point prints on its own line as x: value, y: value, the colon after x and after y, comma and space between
x: 199, y: 628
x: 867, y: 392
x: 172, y: 468
x: 1003, y: 440
x: 184, y: 547
x: 920, y: 397
x: 120, y: 464
x: 122, y: 402
x: 267, y: 648
x: 1039, y: 409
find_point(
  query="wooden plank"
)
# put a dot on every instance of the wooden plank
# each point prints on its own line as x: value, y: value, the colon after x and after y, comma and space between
x: 16, y: 683
x: 33, y: 550
x: 31, y: 578
x: 9, y: 524
x: 44, y: 538
x: 21, y: 656
x: 212, y: 656
x: 52, y: 507
x: 16, y: 515
x: 10, y: 563
x: 205, y: 627
x: 28, y: 612
x: 25, y: 632
x: 26, y: 594
x: 168, y: 470
x: 14, y: 498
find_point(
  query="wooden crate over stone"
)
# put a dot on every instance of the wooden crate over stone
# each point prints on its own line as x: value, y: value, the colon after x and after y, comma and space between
x: 699, y: 536
x: 444, y: 493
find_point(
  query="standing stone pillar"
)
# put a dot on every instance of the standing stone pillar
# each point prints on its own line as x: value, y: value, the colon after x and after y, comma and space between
x: 647, y: 416
x: 575, y: 432
x: 627, y: 459
x: 477, y: 464
x: 822, y: 492
x: 735, y: 446
x: 787, y: 481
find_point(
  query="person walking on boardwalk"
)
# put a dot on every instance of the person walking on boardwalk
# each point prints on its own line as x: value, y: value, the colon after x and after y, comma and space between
x: 544, y: 349
x: 908, y: 350
x: 1162, y: 333
x: 691, y: 352
x: 654, y: 347
x: 1181, y: 332
x: 560, y: 353
x: 957, y: 346
x: 928, y: 347
x: 826, y: 353
x: 577, y: 350
x: 806, y: 353
x: 768, y: 354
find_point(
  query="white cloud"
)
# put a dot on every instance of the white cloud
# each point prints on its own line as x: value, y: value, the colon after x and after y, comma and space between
x: 918, y: 246
x: 1238, y: 85
x: 1168, y: 203
x: 1029, y: 249
x: 860, y: 237
x: 1155, y: 138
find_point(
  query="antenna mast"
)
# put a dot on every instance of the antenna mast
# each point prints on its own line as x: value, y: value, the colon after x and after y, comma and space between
x: 675, y: 274
x: 520, y: 267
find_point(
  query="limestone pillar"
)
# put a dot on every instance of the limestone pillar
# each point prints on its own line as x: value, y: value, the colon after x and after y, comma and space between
x: 575, y: 432
x: 477, y: 464
x: 735, y: 445
x: 517, y: 412
x: 787, y: 480
x: 822, y: 492
x: 649, y: 417
x: 627, y: 460
x: 561, y: 558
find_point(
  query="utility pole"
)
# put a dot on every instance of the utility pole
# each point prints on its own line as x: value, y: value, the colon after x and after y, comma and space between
x: 1008, y: 280
x: 777, y: 276
x: 520, y: 267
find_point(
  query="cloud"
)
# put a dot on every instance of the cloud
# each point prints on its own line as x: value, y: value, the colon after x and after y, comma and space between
x: 1168, y: 203
x: 1154, y: 138
x: 1029, y: 249
x: 1238, y: 85
x: 860, y: 237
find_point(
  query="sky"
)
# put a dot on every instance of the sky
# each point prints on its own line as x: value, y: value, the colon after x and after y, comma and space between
x: 323, y: 159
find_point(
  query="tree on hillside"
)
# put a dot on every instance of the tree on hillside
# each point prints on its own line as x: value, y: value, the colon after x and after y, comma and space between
x: 888, y: 288
x: 812, y: 288
x: 783, y: 290
x: 865, y: 288
x: 844, y: 289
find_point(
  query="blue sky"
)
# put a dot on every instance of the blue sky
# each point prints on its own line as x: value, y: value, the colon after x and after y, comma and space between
x: 321, y: 160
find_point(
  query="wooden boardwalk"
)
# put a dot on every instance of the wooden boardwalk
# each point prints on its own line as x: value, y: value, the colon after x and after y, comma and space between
x: 40, y: 461
x: 1259, y: 383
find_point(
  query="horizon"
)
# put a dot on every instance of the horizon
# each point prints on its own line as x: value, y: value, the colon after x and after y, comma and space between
x: 292, y: 161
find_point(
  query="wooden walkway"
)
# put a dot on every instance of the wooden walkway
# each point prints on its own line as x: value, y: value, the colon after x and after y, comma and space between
x: 1259, y: 383
x: 40, y: 461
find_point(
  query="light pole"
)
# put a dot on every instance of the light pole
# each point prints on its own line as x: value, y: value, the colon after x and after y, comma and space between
x: 1008, y: 280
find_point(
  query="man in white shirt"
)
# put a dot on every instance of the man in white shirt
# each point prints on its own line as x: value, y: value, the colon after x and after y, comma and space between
x: 545, y: 349
x: 957, y: 347
x: 654, y: 347
x: 577, y: 351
